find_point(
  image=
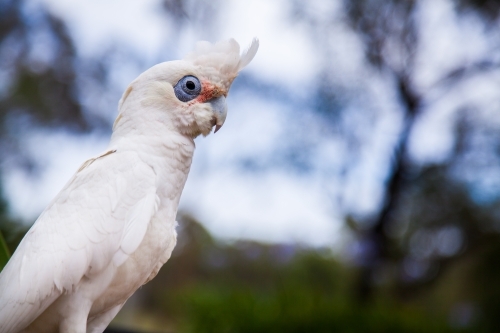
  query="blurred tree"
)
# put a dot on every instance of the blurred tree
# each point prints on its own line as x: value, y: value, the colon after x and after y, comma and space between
x: 441, y: 203
x: 40, y: 86
x: 431, y: 214
x: 40, y: 72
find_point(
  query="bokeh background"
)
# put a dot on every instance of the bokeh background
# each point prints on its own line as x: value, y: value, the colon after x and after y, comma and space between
x: 355, y: 186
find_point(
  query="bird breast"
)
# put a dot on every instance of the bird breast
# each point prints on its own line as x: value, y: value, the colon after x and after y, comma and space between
x: 142, y: 265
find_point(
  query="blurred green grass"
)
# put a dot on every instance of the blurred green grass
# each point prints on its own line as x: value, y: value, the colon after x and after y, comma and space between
x: 296, y: 309
x: 4, y: 252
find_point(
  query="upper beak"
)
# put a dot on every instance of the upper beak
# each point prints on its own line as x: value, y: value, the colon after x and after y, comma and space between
x: 219, y: 107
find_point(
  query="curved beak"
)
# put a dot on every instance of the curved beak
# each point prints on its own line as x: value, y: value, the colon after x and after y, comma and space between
x: 219, y: 108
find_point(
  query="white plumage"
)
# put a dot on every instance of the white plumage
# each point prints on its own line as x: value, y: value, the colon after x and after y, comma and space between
x: 112, y: 226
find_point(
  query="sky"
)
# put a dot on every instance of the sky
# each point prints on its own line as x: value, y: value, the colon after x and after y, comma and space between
x: 276, y: 203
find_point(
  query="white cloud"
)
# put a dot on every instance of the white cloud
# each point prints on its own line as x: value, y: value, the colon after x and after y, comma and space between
x: 273, y: 206
x: 287, y: 55
x: 99, y: 24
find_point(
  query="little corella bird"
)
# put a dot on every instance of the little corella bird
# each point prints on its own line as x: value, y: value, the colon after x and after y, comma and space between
x: 112, y: 226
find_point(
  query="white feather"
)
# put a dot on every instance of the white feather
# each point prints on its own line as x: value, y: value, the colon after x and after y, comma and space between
x: 77, y: 235
x: 248, y: 54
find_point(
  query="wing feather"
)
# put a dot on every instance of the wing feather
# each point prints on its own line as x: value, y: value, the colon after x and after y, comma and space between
x: 102, y: 212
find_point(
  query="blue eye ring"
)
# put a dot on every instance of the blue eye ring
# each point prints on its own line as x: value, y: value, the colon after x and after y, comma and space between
x: 188, y: 88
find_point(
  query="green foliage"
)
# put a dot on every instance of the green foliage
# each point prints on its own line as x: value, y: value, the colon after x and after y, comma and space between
x: 307, y: 294
x: 295, y: 309
x: 241, y: 287
x: 4, y: 221
x: 4, y: 252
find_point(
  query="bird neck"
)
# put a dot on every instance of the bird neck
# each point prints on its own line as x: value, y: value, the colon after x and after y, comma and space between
x: 166, y: 151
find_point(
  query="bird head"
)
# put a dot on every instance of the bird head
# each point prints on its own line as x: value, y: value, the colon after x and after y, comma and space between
x: 188, y: 95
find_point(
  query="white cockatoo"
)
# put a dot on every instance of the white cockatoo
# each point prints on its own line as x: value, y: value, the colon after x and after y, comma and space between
x: 112, y: 226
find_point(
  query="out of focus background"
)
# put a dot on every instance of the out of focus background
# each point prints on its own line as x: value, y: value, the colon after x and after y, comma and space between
x: 355, y: 186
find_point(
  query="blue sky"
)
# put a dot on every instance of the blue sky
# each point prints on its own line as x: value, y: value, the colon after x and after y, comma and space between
x: 275, y: 204
x: 270, y: 199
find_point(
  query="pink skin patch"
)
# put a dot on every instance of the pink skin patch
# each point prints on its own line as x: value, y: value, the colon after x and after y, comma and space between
x: 209, y: 91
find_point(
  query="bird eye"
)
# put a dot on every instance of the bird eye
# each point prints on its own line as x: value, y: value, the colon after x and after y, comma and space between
x: 188, y: 88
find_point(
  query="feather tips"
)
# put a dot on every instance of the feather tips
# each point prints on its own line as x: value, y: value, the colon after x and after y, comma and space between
x: 222, y: 59
x: 248, y: 54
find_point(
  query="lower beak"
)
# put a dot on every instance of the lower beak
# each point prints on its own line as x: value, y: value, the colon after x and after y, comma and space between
x: 219, y: 108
